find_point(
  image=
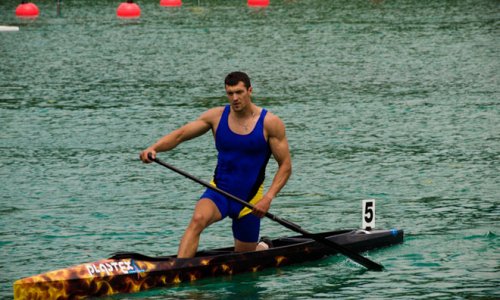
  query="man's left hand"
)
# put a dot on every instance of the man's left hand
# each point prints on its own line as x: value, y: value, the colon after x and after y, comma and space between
x: 261, y: 208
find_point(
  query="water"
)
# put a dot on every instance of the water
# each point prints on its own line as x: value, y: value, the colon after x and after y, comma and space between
x: 394, y: 100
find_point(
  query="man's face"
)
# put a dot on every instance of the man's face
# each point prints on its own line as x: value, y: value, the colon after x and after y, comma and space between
x: 238, y: 95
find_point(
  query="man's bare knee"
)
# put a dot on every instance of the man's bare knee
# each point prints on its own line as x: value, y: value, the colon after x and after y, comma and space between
x: 199, y: 221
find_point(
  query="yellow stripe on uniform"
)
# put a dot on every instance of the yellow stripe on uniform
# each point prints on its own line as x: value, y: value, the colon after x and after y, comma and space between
x: 260, y: 192
x: 245, y: 211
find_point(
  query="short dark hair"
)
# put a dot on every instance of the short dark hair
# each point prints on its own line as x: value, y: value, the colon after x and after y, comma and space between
x: 233, y: 78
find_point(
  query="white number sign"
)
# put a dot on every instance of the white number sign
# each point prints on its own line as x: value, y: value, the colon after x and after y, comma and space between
x: 368, y: 214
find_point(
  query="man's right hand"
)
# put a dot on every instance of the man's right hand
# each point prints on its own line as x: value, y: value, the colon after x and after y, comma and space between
x: 144, y: 155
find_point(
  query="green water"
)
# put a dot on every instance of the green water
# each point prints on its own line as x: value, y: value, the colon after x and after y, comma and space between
x: 397, y: 101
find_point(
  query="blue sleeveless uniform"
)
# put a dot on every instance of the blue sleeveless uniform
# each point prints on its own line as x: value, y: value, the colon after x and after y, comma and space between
x: 240, y: 171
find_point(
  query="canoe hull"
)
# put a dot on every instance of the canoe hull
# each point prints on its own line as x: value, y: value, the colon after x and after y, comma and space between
x: 128, y: 273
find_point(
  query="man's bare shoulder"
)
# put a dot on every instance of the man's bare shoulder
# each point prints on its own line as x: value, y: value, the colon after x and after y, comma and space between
x: 273, y: 124
x: 272, y: 119
x: 212, y: 115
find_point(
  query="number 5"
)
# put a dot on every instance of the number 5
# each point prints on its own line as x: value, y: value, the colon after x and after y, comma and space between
x: 368, y: 214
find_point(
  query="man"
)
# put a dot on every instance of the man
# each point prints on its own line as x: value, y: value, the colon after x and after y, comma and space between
x: 245, y: 136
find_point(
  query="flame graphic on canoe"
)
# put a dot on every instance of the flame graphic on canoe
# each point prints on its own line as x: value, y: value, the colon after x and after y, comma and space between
x: 98, y: 278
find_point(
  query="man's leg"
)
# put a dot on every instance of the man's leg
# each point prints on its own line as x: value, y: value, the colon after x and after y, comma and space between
x: 246, y: 233
x: 205, y: 213
x: 240, y: 246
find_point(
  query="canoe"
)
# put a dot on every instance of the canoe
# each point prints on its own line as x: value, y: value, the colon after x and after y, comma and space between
x: 127, y: 272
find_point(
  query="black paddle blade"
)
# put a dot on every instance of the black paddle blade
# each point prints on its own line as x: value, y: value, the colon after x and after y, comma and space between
x: 369, y: 264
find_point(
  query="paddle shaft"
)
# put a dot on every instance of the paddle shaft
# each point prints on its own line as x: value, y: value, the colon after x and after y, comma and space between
x: 369, y: 264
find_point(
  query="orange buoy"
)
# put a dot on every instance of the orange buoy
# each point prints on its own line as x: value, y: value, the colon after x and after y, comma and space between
x: 128, y: 10
x: 27, y: 10
x: 171, y: 3
x: 258, y: 3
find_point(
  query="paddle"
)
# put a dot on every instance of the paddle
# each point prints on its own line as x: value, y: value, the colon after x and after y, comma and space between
x: 369, y: 264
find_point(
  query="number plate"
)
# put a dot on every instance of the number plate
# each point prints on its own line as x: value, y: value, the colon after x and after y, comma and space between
x: 368, y: 214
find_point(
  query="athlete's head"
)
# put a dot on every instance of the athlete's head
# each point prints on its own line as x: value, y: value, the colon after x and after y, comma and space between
x: 234, y: 78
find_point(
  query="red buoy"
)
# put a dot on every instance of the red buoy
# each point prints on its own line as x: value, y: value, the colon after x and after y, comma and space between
x: 27, y: 10
x: 128, y: 10
x: 258, y: 3
x: 171, y: 3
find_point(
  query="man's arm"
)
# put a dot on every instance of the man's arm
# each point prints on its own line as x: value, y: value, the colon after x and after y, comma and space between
x: 189, y: 131
x: 281, y: 153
